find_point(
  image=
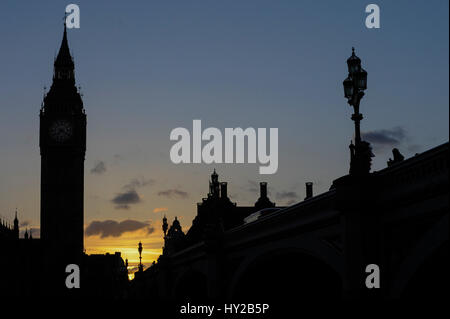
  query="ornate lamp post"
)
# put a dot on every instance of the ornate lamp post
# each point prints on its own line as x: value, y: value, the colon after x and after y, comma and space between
x: 354, y: 86
x: 141, y: 267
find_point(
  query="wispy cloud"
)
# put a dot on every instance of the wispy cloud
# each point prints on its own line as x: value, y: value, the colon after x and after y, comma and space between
x: 254, y: 187
x: 390, y: 138
x: 287, y: 197
x: 160, y: 209
x: 139, y: 182
x: 173, y: 193
x: 99, y: 168
x: 112, y: 228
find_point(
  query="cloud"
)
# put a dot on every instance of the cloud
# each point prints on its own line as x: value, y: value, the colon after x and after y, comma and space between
x: 111, y: 228
x: 386, y: 137
x: 123, y: 200
x: 138, y: 182
x: 287, y: 195
x: 390, y: 138
x: 170, y: 193
x: 99, y: 168
x: 129, y: 195
x: 254, y: 187
x: 160, y: 209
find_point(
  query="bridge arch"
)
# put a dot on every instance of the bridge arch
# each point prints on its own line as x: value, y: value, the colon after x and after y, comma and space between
x: 287, y: 273
x: 426, y: 267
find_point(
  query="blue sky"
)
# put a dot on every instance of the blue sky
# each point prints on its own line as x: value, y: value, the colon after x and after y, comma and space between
x: 146, y: 67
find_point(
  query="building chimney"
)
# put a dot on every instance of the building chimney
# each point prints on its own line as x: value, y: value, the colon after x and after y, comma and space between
x: 309, y: 190
x: 223, y: 190
x: 263, y: 189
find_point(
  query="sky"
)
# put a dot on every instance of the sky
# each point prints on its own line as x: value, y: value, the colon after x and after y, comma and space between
x: 147, y: 67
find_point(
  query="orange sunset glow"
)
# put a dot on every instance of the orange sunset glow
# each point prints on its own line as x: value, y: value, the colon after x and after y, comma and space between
x: 127, y: 244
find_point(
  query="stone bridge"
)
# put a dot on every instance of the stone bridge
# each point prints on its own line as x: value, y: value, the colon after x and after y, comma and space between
x: 396, y: 218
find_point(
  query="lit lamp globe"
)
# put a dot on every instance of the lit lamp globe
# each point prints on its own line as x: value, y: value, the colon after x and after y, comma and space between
x: 361, y: 79
x: 348, y: 87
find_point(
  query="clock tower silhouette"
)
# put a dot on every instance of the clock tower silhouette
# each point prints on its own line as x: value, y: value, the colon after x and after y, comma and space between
x: 62, y: 141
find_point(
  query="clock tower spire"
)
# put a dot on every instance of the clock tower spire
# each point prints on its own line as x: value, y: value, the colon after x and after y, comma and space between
x: 64, y: 66
x: 62, y: 141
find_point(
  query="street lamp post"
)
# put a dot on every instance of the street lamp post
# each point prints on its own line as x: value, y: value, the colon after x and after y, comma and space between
x: 354, y: 86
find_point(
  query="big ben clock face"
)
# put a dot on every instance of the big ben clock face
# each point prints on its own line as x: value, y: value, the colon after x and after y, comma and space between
x: 61, y: 130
